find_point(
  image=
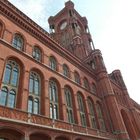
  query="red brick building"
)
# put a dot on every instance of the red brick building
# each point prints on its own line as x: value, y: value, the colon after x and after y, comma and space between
x: 55, y: 86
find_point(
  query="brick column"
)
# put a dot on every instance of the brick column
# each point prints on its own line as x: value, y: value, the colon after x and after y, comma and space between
x: 77, y: 110
x: 64, y: 107
x: 2, y: 63
x: 26, y: 137
x: 25, y: 93
x: 112, y: 106
x: 46, y: 105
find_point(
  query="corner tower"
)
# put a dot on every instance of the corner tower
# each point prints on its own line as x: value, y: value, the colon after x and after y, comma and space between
x: 71, y: 31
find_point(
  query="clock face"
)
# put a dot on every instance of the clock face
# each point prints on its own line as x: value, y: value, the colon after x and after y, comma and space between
x: 63, y: 25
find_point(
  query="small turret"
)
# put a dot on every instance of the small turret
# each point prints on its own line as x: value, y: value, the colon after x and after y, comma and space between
x: 116, y: 76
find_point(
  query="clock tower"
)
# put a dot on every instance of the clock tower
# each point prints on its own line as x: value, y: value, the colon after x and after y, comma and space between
x: 71, y: 31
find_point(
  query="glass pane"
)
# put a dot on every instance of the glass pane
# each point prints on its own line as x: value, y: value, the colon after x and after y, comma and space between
x: 31, y: 84
x: 11, y: 99
x: 55, y: 112
x: 7, y: 73
x: 36, y: 106
x: 50, y: 93
x: 3, y: 95
x: 30, y: 106
x: 93, y: 122
x: 54, y: 94
x: 51, y: 111
x: 18, y: 42
x: 14, y: 77
x: 36, y: 86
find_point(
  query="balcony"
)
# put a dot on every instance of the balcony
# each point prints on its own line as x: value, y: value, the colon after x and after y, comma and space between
x: 19, y: 116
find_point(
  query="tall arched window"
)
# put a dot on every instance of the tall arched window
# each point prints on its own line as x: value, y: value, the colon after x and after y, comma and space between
x: 68, y: 99
x: 86, y: 83
x: 53, y: 63
x: 37, y: 53
x: 66, y: 71
x: 93, y: 88
x: 100, y: 117
x: 10, y: 84
x: 18, y: 42
x: 81, y: 109
x: 34, y: 93
x: 92, y: 113
x: 53, y: 94
x: 76, y: 77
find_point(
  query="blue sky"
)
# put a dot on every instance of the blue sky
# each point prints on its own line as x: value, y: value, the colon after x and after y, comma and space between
x: 114, y: 26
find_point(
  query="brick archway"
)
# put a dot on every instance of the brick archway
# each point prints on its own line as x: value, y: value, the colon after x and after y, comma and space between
x: 128, y: 125
x: 39, y: 136
x: 61, y: 138
x: 10, y: 134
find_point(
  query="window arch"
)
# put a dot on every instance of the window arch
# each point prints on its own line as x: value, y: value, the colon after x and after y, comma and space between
x: 1, y: 28
x: 37, y: 53
x: 81, y: 109
x: 86, y: 83
x: 10, y: 84
x: 68, y: 99
x: 34, y: 93
x: 18, y: 42
x: 93, y: 88
x: 53, y: 95
x: 66, y: 71
x: 100, y: 117
x: 77, y: 77
x: 53, y: 63
x: 92, y: 113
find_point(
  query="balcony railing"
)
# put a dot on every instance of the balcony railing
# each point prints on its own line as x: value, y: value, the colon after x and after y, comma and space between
x: 32, y: 119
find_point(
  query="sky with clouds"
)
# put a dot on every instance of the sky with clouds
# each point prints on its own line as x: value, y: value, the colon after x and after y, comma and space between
x: 114, y: 26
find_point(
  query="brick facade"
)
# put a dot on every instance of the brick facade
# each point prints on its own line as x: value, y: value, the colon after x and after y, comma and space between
x: 99, y: 102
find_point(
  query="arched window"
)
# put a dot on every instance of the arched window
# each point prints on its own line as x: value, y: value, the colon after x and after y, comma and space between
x: 93, y: 88
x: 1, y: 29
x: 34, y: 93
x: 100, y: 117
x: 86, y: 83
x: 68, y: 99
x: 53, y: 63
x: 92, y: 113
x: 37, y: 53
x: 53, y: 94
x: 3, y: 96
x: 66, y: 71
x: 11, y: 74
x: 76, y: 77
x: 18, y: 42
x: 34, y: 83
x: 10, y: 84
x: 81, y: 109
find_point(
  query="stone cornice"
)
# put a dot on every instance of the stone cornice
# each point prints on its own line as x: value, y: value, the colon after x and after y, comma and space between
x: 23, y: 21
